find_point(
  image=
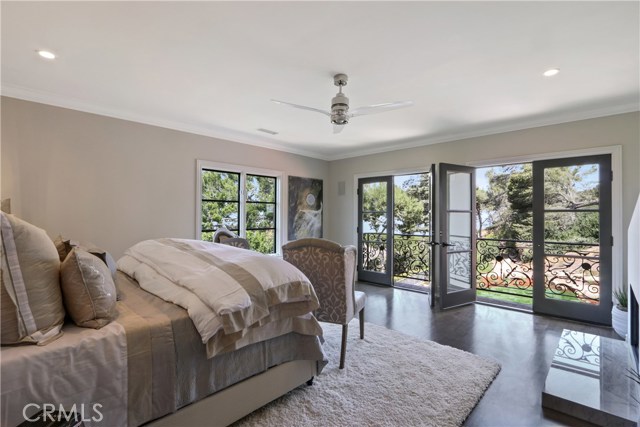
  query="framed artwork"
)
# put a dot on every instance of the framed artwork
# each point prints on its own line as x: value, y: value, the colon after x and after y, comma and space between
x: 305, y: 208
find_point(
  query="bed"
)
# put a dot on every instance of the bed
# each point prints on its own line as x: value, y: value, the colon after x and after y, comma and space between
x: 150, y: 365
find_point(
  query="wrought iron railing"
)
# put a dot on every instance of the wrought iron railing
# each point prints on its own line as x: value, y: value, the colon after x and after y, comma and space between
x: 411, y: 254
x: 505, y: 266
x: 571, y: 270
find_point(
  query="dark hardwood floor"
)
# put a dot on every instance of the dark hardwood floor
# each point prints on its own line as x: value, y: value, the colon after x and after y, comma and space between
x: 522, y: 343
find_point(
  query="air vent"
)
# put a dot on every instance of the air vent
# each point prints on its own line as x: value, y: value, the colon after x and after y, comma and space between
x: 270, y: 132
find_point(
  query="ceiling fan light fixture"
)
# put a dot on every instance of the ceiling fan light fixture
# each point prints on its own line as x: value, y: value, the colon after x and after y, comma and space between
x: 339, y: 119
x: 339, y: 113
x: 551, y: 72
x: 46, y: 54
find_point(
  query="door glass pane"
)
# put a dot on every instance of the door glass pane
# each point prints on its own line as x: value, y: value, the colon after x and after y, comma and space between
x: 459, y: 271
x: 572, y: 187
x: 374, y: 227
x: 574, y: 276
x: 459, y: 231
x: 459, y: 191
x: 572, y: 233
x: 574, y: 227
x: 374, y: 223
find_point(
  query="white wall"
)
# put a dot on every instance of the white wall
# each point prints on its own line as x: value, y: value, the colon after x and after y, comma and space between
x: 113, y: 182
x: 620, y: 130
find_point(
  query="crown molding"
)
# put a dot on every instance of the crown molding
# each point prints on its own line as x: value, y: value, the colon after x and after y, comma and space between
x: 494, y: 130
x: 48, y: 98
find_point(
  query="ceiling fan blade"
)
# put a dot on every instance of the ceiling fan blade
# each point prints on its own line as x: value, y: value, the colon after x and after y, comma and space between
x: 338, y: 128
x: 379, y: 108
x: 302, y: 107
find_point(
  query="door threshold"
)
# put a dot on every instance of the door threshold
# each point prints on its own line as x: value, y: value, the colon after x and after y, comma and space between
x: 506, y: 307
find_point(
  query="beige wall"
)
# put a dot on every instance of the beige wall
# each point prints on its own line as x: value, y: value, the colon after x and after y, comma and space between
x: 620, y: 130
x: 114, y: 182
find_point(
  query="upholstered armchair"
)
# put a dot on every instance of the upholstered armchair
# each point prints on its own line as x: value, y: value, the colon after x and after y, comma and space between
x: 228, y: 237
x: 331, y: 268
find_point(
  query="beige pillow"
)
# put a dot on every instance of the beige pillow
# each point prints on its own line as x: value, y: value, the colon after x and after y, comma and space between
x: 61, y: 247
x: 32, y: 309
x: 88, y: 289
x: 65, y: 246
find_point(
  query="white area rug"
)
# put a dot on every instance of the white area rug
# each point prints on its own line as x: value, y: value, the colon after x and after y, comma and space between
x: 390, y: 379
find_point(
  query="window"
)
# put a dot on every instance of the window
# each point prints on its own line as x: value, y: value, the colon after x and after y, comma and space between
x: 261, y: 212
x: 244, y: 201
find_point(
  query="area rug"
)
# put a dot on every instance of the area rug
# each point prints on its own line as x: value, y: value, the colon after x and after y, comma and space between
x: 390, y: 379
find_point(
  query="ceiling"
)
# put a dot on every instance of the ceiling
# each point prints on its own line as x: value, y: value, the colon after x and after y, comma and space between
x: 471, y: 68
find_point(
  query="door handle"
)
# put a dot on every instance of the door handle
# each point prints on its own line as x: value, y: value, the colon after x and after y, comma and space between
x: 434, y: 243
x: 445, y: 244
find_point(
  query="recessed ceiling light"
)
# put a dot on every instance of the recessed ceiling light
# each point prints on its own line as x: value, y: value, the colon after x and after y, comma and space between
x: 551, y: 72
x: 46, y: 54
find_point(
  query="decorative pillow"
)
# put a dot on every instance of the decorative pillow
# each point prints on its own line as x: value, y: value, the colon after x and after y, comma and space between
x: 107, y: 259
x: 65, y: 246
x: 61, y: 247
x: 88, y: 289
x: 32, y: 309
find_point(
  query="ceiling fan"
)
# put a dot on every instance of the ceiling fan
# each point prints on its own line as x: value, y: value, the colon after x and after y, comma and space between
x: 340, y: 113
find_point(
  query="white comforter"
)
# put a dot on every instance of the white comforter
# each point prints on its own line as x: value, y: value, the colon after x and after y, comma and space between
x: 228, y: 292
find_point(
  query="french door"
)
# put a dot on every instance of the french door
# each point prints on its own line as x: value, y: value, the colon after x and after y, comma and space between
x: 375, y: 230
x: 572, y: 269
x: 457, y: 236
x: 563, y: 212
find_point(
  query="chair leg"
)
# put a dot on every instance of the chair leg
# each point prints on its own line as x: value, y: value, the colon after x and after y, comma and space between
x: 343, y: 349
x: 362, y: 323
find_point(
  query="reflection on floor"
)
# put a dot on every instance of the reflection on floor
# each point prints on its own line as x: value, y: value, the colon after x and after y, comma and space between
x: 523, y: 343
x: 590, y: 379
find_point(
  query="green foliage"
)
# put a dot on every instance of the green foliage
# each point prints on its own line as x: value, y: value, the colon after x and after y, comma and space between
x: 504, y: 210
x: 409, y: 215
x: 261, y: 240
x: 411, y: 206
x: 620, y: 294
x: 221, y: 206
x: 520, y: 197
x: 374, y: 206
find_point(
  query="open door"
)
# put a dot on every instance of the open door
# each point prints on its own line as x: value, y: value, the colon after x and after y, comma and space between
x: 434, y: 238
x: 456, y: 235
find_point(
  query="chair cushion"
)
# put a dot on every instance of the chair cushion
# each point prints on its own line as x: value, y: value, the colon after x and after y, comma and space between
x: 361, y: 299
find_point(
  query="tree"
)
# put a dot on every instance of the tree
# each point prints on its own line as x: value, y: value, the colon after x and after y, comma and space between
x: 221, y: 207
x: 504, y: 210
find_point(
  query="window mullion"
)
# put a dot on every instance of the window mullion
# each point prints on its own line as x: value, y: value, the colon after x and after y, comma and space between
x: 242, y: 222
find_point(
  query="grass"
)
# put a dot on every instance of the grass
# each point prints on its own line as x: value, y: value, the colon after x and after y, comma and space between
x: 524, y: 297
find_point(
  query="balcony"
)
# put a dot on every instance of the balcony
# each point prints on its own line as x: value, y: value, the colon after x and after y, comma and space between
x: 504, y: 270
